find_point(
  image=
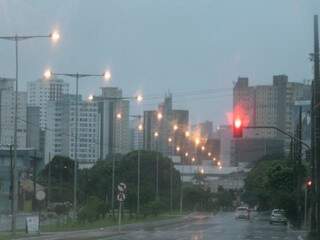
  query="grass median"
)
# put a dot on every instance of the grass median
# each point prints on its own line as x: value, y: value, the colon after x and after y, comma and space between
x: 69, y: 225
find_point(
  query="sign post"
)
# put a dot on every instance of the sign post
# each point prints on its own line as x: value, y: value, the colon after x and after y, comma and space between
x: 121, y: 197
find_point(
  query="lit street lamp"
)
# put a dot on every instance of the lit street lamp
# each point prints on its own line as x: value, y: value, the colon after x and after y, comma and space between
x: 156, y: 136
x: 17, y: 38
x: 48, y: 74
x: 140, y: 128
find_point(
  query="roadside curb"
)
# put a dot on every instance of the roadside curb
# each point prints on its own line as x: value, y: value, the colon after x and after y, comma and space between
x: 111, y: 231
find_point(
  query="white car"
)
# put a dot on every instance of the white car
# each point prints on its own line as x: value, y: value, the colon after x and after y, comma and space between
x: 242, y: 213
x: 278, y: 216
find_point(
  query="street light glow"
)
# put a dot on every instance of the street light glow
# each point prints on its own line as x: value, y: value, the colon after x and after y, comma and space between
x: 219, y: 163
x: 202, y: 171
x: 187, y: 134
x: 178, y: 148
x: 139, y: 98
x: 140, y: 127
x: 156, y: 134
x: 169, y: 139
x: 119, y: 115
x: 107, y: 75
x: 159, y: 116
x: 55, y: 36
x: 209, y: 154
x: 47, y: 74
x: 214, y: 159
x: 90, y: 97
x: 203, y: 148
x: 186, y: 154
x: 175, y: 127
x: 193, y: 159
x: 197, y: 141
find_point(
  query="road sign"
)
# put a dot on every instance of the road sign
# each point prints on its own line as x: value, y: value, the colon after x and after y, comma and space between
x: 121, y: 197
x: 122, y: 187
x: 40, y: 195
x: 32, y: 224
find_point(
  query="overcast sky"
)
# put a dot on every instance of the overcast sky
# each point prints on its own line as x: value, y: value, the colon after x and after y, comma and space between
x: 187, y: 47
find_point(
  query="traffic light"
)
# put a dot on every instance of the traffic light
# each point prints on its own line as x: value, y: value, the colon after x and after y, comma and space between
x: 237, y: 128
x: 309, y: 184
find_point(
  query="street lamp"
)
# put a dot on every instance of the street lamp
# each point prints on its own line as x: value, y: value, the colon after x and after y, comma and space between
x: 48, y: 74
x: 139, y: 98
x: 159, y: 116
x: 186, y: 154
x: 178, y: 149
x: 17, y: 38
x: 187, y: 134
x: 119, y: 115
x: 209, y: 154
x: 140, y: 129
x: 175, y: 127
x: 156, y: 135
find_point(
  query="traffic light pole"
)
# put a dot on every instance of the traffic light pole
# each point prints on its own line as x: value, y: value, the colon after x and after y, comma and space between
x: 293, y: 138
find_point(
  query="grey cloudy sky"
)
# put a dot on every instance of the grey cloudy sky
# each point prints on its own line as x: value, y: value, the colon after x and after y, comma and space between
x: 185, y: 46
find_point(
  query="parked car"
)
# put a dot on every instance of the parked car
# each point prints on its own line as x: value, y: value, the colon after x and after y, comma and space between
x: 278, y: 216
x: 242, y: 213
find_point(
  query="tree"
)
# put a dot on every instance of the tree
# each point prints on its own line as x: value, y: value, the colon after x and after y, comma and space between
x: 93, y: 210
x: 272, y: 184
x: 62, y: 170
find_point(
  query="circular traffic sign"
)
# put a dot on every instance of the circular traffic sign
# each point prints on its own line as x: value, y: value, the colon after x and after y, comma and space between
x: 40, y: 195
x: 122, y: 187
x: 121, y: 197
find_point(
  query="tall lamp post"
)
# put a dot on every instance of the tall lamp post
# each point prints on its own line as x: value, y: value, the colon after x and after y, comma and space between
x: 156, y: 136
x: 140, y: 129
x: 107, y: 76
x: 18, y: 38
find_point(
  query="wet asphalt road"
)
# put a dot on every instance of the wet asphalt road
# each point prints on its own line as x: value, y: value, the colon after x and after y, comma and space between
x: 222, y: 226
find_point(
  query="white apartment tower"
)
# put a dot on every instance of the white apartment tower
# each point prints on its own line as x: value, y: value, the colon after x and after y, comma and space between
x: 61, y: 126
x: 43, y: 90
x: 7, y: 106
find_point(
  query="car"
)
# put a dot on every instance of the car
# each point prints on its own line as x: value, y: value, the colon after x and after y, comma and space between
x: 278, y: 216
x: 242, y: 213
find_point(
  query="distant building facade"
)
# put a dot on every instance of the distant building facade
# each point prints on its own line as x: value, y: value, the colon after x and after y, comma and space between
x: 268, y: 105
x: 7, y: 113
x: 114, y: 122
x: 43, y: 90
x: 173, y: 125
x: 61, y: 126
x: 247, y: 151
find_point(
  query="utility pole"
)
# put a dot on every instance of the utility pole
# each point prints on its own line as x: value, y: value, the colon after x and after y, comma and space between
x: 315, y: 124
x: 49, y: 181
x: 11, y: 188
x: 298, y: 165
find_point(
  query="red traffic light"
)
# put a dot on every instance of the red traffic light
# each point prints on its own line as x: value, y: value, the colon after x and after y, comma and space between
x: 309, y: 183
x: 237, y: 128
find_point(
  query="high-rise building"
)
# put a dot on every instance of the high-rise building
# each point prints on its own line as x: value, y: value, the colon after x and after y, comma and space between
x: 205, y: 129
x: 61, y: 126
x: 33, y: 128
x: 268, y: 105
x: 43, y: 90
x: 114, y: 122
x: 7, y: 111
x: 136, y: 134
x: 163, y: 120
x: 150, y: 126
